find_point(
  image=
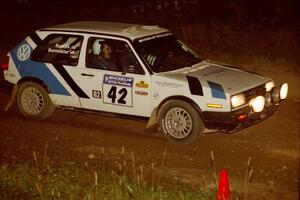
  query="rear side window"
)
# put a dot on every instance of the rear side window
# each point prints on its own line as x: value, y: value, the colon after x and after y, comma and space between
x: 59, y: 49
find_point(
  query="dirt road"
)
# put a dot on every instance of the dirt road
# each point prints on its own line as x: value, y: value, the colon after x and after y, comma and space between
x: 273, y: 146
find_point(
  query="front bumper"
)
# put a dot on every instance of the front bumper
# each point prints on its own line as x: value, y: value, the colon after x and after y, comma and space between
x: 230, y: 121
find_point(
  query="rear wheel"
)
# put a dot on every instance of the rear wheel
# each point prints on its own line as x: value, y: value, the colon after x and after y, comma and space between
x: 34, y: 101
x: 180, y: 123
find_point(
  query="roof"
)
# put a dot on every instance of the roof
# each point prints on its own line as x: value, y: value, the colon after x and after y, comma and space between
x: 131, y: 31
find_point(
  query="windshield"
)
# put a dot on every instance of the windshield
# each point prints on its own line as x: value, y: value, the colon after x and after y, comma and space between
x: 167, y: 54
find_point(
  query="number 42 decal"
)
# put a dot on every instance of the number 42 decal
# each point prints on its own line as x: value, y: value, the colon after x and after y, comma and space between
x: 113, y: 95
x: 117, y: 95
x: 117, y: 90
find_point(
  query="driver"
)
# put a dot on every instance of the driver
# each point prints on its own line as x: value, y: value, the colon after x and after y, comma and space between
x: 104, y: 56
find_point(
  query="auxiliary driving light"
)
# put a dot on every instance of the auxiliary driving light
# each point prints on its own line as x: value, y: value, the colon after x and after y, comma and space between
x: 283, y: 91
x: 241, y: 117
x: 258, y: 103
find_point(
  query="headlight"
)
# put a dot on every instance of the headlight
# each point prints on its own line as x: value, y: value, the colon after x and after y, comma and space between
x: 258, y: 103
x: 269, y: 85
x: 238, y: 100
x: 283, y: 91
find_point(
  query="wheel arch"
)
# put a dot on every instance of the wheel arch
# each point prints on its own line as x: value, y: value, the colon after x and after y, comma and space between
x: 182, y: 98
x: 36, y: 80
x: 154, y: 118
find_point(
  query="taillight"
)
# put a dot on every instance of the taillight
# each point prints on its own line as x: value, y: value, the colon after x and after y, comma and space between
x: 4, y: 65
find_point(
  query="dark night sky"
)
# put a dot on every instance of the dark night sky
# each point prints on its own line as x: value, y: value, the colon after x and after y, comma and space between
x: 284, y: 9
x: 29, y: 15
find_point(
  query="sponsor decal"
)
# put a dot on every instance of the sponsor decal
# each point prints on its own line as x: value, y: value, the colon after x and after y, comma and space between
x: 169, y: 84
x: 142, y: 84
x: 154, y: 37
x: 117, y: 90
x: 142, y: 93
x: 23, y: 52
x: 61, y: 51
x: 96, y: 94
x: 118, y: 80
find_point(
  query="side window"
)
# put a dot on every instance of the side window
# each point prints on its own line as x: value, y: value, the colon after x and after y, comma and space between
x: 59, y: 49
x: 114, y: 55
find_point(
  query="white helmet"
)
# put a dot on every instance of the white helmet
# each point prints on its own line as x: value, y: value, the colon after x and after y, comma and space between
x: 97, y: 46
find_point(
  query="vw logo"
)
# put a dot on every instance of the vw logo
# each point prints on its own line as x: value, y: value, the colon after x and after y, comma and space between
x: 23, y: 52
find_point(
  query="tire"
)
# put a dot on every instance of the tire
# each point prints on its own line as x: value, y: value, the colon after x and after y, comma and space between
x: 179, y: 122
x: 34, y: 102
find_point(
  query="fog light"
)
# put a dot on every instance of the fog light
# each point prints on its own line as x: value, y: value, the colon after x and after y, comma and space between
x: 258, y: 103
x: 283, y: 91
x: 241, y: 117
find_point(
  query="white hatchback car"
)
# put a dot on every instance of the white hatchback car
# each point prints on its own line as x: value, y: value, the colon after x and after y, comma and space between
x: 136, y: 70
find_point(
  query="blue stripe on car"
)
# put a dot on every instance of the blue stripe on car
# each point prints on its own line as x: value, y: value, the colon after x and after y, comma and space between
x: 28, y: 68
x: 217, y: 90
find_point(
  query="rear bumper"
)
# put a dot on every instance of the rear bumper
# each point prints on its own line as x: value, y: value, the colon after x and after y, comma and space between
x: 6, y: 87
x: 229, y: 122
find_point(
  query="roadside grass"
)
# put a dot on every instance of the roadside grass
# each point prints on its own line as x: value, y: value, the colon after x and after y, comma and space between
x: 102, y: 178
x: 67, y: 180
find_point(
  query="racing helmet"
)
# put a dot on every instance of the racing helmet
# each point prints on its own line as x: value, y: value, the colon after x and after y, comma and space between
x: 97, y: 46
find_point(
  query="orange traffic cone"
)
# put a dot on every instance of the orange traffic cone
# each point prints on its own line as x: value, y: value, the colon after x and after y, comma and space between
x: 223, y: 189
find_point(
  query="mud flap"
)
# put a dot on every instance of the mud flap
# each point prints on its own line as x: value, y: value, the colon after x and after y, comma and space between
x: 12, y: 97
x: 152, y: 125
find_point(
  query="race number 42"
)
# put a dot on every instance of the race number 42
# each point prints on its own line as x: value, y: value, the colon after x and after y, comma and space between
x: 117, y: 95
x: 113, y: 95
x: 117, y: 90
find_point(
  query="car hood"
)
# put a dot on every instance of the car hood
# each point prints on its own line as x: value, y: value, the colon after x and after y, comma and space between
x: 232, y: 80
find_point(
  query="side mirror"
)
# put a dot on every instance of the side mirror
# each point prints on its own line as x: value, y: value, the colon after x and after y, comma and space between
x: 128, y: 69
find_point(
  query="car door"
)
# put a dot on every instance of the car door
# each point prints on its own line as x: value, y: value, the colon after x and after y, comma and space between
x: 122, y: 86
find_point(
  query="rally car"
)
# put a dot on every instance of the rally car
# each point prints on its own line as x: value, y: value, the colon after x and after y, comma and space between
x: 136, y: 70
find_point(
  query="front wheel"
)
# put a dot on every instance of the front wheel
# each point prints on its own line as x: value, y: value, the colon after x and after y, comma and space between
x: 180, y: 123
x: 34, y: 101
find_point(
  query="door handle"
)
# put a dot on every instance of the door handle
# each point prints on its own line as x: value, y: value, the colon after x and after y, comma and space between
x: 84, y: 74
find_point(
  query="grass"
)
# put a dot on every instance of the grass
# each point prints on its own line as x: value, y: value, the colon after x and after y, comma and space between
x: 44, y: 179
x: 69, y: 180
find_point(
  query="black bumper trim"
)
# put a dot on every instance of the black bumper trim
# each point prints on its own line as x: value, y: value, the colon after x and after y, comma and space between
x: 227, y: 121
